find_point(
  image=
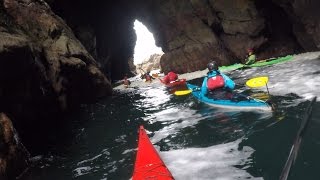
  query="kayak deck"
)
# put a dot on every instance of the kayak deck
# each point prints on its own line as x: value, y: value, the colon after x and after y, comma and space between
x: 148, y: 164
x: 243, y: 103
x: 257, y: 64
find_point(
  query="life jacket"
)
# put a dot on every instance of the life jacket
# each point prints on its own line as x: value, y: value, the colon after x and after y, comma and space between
x: 172, y: 76
x: 215, y: 82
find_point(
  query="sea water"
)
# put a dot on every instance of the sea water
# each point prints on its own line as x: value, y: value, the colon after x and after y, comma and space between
x: 196, y: 141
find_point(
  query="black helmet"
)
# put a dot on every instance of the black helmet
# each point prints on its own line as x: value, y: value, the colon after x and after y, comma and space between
x: 213, y: 66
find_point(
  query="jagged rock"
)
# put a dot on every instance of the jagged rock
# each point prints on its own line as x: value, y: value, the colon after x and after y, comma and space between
x: 44, y: 68
x: 238, y: 43
x: 238, y: 17
x: 151, y: 63
x: 304, y: 16
x: 88, y: 38
x: 132, y: 67
x: 14, y: 157
x: 65, y: 59
x: 182, y: 28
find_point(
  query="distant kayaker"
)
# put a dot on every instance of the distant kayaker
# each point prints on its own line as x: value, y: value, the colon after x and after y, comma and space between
x: 126, y: 81
x: 251, y: 57
x: 147, y: 77
x: 215, y: 80
x: 170, y: 77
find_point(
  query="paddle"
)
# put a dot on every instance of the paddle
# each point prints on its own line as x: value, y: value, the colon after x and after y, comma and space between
x: 258, y: 82
x: 253, y: 83
x: 185, y: 92
x: 297, y: 142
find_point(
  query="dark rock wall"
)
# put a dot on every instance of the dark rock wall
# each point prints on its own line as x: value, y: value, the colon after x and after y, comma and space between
x: 191, y: 33
x: 304, y: 17
x: 44, y: 69
x: 14, y: 158
x: 111, y: 38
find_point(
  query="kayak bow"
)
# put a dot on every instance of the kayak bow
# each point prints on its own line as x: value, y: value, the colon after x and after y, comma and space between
x: 148, y: 164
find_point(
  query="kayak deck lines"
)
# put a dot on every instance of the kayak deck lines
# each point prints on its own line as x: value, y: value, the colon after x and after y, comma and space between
x: 154, y: 167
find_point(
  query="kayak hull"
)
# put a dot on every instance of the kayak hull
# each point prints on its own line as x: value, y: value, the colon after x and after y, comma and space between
x: 246, y: 103
x: 148, y: 164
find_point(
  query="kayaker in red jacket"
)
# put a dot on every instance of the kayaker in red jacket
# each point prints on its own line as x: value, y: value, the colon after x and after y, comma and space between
x: 171, y: 76
x: 216, y: 84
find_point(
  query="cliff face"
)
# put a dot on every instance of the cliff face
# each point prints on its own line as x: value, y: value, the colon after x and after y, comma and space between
x: 13, y: 155
x: 191, y: 33
x: 44, y: 69
x: 58, y: 53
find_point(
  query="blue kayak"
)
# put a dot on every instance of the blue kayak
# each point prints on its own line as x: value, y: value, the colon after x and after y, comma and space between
x: 231, y: 101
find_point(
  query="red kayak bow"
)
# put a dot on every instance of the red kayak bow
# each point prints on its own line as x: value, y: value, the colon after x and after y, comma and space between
x: 148, y: 163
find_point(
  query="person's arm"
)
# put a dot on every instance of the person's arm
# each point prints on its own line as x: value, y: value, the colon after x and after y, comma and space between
x: 228, y: 83
x: 204, y: 88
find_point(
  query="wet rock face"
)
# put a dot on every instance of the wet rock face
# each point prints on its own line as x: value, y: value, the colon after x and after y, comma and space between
x: 13, y: 155
x: 304, y: 17
x: 44, y: 69
x: 110, y: 24
x: 44, y: 47
x: 149, y: 64
x: 192, y: 33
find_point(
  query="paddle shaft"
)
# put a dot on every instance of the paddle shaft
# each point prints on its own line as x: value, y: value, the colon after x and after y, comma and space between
x: 296, y: 145
x: 267, y: 89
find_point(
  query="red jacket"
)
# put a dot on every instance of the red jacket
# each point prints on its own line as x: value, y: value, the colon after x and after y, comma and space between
x: 171, y: 76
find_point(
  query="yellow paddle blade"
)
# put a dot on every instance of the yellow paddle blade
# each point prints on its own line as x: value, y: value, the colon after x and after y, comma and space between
x: 257, y: 82
x: 183, y: 92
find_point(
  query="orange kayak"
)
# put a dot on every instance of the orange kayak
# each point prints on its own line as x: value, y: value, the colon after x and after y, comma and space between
x: 148, y: 163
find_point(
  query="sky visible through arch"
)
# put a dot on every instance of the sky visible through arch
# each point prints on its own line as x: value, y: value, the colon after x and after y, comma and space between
x: 145, y: 45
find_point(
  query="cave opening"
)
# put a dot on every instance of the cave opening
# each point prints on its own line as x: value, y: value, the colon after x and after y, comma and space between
x: 145, y: 44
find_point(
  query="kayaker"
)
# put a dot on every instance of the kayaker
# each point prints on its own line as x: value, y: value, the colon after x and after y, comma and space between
x: 251, y: 57
x: 171, y: 76
x: 148, y: 77
x: 126, y: 81
x: 215, y: 80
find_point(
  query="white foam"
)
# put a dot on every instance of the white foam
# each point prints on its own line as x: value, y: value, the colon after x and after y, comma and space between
x: 209, y: 163
x: 299, y: 76
x: 180, y: 123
